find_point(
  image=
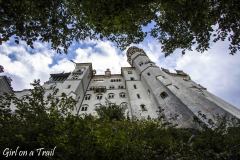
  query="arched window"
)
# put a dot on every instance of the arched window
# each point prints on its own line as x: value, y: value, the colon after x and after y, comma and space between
x: 88, y: 97
x: 110, y: 95
x: 99, y: 96
x: 98, y: 105
x: 111, y: 87
x: 163, y: 95
x: 84, y: 107
x: 120, y: 87
x: 122, y: 95
x: 140, y: 63
x: 124, y: 104
x: 75, y: 76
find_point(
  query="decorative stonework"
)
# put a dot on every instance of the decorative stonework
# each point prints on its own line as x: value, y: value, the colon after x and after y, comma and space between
x: 133, y: 50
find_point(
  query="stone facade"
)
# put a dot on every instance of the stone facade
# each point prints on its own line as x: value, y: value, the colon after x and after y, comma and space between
x: 5, y: 85
x: 143, y: 89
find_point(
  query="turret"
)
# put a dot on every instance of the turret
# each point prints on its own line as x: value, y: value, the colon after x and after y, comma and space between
x: 176, y: 93
x: 108, y: 73
x: 164, y: 98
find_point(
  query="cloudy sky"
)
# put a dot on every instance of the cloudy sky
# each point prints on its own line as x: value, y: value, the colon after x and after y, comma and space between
x: 215, y: 69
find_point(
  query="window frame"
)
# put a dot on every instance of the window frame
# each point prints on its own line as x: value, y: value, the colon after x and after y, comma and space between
x: 111, y: 95
x: 122, y: 95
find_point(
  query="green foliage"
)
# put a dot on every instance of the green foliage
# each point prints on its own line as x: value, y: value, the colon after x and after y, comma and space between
x: 47, y: 122
x: 180, y: 24
x: 110, y: 112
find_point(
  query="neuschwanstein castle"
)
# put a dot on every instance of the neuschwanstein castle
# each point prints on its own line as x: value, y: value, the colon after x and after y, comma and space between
x: 143, y: 89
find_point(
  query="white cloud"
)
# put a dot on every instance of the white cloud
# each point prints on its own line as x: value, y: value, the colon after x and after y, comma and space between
x: 27, y: 66
x: 102, y: 56
x: 216, y: 70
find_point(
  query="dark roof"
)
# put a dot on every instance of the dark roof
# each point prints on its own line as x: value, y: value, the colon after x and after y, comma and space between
x: 60, y: 74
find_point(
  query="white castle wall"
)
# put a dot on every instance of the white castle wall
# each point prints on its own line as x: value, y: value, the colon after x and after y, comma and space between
x: 143, y: 84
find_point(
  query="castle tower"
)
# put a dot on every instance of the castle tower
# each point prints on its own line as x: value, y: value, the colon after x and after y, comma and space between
x: 164, y: 98
x: 175, y: 93
x: 73, y: 84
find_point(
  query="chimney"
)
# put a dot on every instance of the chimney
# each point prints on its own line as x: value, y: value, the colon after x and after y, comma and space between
x: 108, y: 72
x: 94, y: 72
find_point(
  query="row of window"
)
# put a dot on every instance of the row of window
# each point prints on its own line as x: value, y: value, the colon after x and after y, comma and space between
x: 123, y: 104
x: 85, y: 106
x: 110, y: 87
x: 110, y: 96
x: 100, y: 80
x: 147, y: 62
x: 163, y: 95
x: 101, y: 88
x: 129, y: 72
x: 115, y: 80
x: 122, y: 94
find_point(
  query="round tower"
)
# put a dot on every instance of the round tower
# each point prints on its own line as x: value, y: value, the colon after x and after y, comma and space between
x: 172, y: 107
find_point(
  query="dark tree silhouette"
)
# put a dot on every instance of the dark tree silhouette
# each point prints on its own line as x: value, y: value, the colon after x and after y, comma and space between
x: 184, y: 24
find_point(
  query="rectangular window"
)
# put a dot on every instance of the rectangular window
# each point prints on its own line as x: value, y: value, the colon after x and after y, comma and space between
x: 143, y: 107
x: 99, y: 97
x: 129, y: 72
x: 135, y: 87
x: 138, y: 96
x: 132, y: 78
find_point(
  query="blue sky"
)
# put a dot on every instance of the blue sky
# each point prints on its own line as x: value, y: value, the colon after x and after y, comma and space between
x: 215, y: 69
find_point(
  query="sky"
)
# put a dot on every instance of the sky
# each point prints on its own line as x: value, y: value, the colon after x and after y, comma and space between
x: 214, y: 69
